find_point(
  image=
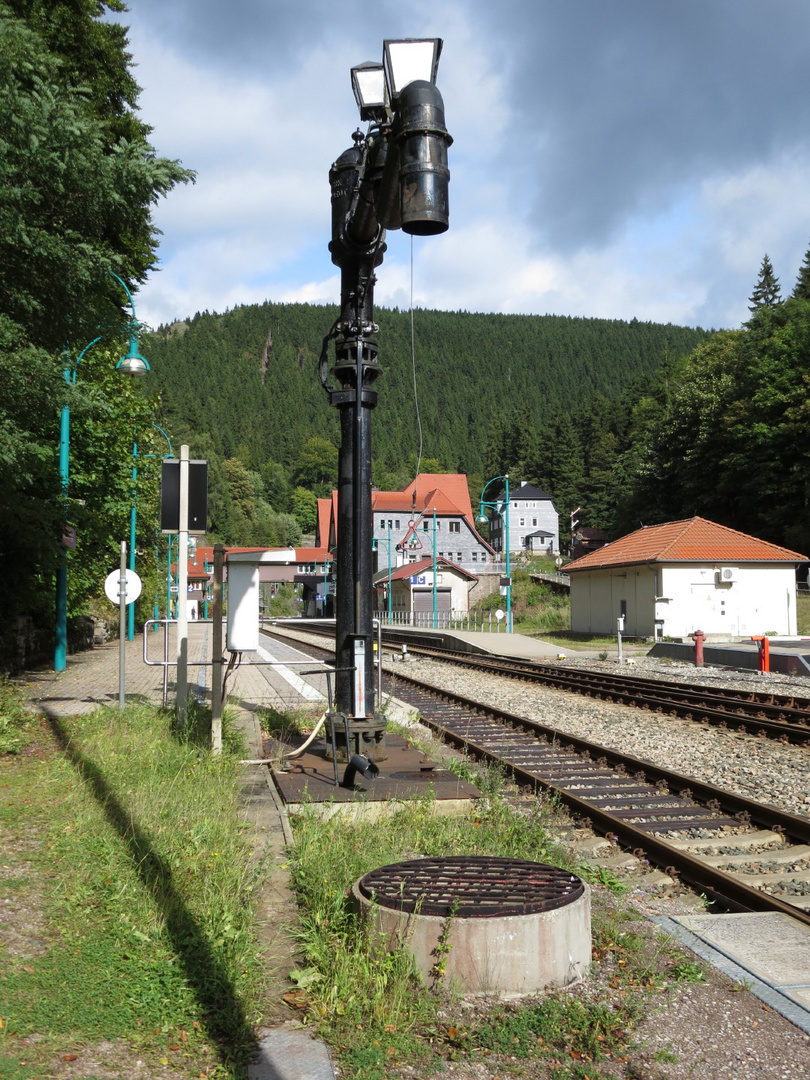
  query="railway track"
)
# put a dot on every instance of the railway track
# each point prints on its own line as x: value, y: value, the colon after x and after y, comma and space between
x: 765, y: 714
x: 746, y: 855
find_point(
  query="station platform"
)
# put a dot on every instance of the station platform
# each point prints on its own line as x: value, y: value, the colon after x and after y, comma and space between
x: 517, y: 645
x: 788, y: 656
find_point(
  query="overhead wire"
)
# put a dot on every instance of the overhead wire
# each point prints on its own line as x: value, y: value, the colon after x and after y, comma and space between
x: 413, y: 368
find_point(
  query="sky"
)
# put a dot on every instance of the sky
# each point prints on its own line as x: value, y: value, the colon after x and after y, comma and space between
x: 611, y: 158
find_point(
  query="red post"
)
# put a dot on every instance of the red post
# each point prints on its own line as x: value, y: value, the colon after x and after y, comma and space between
x: 698, y: 637
x: 764, y: 648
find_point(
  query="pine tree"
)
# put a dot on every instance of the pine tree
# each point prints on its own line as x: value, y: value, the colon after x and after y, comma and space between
x: 766, y: 292
x: 801, y: 290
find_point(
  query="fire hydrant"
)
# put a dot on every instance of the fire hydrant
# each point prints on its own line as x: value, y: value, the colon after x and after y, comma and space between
x: 698, y: 637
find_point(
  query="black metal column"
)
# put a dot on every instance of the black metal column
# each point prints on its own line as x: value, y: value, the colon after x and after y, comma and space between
x: 357, y: 253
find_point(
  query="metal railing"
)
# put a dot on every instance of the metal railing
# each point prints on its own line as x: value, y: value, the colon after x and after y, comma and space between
x: 473, y: 621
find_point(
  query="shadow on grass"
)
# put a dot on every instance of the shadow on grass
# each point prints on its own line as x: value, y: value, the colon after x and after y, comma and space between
x: 222, y: 1014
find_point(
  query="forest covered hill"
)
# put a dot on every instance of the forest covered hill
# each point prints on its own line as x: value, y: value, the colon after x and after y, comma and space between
x: 248, y: 380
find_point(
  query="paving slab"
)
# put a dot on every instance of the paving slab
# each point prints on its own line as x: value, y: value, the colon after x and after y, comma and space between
x: 768, y: 951
x: 290, y: 1053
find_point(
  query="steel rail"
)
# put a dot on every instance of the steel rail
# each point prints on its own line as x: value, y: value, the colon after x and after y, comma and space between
x: 744, y: 710
x: 713, y: 882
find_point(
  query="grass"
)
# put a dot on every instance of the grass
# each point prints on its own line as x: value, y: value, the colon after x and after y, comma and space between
x: 128, y: 934
x: 803, y: 614
x: 131, y: 880
x: 16, y: 722
x: 377, y: 1013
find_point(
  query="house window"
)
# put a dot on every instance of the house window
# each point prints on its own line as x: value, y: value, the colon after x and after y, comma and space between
x: 523, y: 521
x: 534, y: 522
x: 454, y: 526
x: 459, y: 556
x: 475, y: 556
x: 396, y: 523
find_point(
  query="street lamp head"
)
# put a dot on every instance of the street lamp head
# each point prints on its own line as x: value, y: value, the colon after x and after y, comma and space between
x: 407, y: 60
x: 133, y: 363
x: 482, y: 519
x: 368, y: 84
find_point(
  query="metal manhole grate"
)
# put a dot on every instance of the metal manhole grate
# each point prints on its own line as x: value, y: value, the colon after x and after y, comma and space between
x: 471, y: 886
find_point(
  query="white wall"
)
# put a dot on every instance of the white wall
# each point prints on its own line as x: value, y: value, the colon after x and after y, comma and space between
x: 761, y: 600
x: 674, y: 601
x: 446, y: 578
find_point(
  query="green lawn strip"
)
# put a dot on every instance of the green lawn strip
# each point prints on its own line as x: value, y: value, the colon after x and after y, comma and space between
x: 140, y: 870
x: 373, y: 1008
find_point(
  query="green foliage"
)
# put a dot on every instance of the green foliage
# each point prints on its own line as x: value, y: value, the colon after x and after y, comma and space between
x: 728, y: 438
x: 78, y: 178
x: 75, y: 196
x: 268, y: 393
x: 29, y: 481
x: 110, y: 416
x: 317, y: 466
x: 767, y: 293
x: 305, y: 509
x: 801, y: 290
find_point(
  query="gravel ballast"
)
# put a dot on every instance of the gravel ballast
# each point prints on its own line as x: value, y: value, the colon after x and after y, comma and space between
x: 717, y: 1028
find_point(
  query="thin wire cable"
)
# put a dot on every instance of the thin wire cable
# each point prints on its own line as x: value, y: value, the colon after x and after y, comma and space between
x: 413, y: 368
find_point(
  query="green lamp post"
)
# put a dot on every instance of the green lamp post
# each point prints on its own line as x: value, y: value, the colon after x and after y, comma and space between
x: 502, y: 510
x: 376, y: 545
x: 131, y: 364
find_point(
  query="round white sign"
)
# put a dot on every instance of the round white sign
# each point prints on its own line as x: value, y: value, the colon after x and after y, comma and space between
x: 500, y: 614
x: 113, y: 583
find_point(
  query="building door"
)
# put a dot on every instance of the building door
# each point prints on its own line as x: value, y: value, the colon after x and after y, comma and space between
x: 423, y: 605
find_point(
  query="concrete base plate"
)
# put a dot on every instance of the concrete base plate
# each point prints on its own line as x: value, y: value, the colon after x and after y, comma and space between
x: 405, y: 774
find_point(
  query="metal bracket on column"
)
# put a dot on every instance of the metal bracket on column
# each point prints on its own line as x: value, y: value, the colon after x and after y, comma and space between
x: 355, y: 367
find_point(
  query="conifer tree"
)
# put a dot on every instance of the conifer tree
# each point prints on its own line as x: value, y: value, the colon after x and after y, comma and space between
x: 767, y: 293
x: 801, y: 290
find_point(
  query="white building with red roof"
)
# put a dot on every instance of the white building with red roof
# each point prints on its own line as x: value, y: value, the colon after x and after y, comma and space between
x: 433, y: 514
x: 424, y: 595
x: 670, y: 580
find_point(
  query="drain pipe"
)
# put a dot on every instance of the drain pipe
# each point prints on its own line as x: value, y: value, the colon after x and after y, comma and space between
x: 362, y: 765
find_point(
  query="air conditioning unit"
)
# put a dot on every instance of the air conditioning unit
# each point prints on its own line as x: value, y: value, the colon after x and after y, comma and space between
x: 727, y: 574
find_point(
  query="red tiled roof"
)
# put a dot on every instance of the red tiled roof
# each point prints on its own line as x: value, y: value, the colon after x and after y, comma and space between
x: 312, y: 554
x: 324, y: 518
x: 692, y: 540
x: 402, y: 502
x: 412, y: 568
x: 452, y: 485
x: 446, y: 493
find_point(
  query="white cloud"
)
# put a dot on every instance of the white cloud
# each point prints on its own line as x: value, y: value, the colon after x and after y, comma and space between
x: 664, y: 207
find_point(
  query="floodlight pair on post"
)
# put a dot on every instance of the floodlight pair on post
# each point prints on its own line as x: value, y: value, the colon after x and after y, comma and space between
x: 395, y: 176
